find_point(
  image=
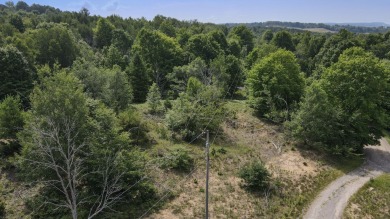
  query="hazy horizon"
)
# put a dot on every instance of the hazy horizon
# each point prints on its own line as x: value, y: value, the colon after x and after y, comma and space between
x: 230, y: 11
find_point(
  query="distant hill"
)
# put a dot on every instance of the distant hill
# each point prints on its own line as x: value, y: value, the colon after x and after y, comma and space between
x: 371, y: 24
x: 375, y: 27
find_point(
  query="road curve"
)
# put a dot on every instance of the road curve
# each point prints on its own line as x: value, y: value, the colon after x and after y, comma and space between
x: 330, y: 203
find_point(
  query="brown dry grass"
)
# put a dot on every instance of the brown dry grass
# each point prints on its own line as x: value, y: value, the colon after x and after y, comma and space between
x: 245, y: 137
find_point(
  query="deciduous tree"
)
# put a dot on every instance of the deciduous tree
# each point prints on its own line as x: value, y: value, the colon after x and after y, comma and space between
x: 275, y: 85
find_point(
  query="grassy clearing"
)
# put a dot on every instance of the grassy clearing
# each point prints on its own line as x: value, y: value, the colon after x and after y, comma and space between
x: 372, y: 200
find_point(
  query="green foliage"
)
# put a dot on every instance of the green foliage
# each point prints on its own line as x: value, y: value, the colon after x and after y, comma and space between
x: 103, y: 33
x: 275, y: 85
x: 255, y: 175
x: 180, y: 75
x: 283, y: 39
x: 227, y: 74
x: 160, y: 54
x: 119, y: 93
x: 268, y: 35
x: 317, y: 120
x: 17, y: 22
x: 93, y: 78
x: 344, y: 111
x: 245, y: 37
x: 259, y: 53
x: 235, y: 72
x: 192, y: 114
x: 154, y: 98
x: 21, y: 5
x: 131, y: 122
x: 54, y: 43
x: 308, y: 47
x: 113, y: 56
x: 109, y: 85
x: 178, y: 160
x: 203, y: 46
x: 121, y: 40
x: 68, y: 134
x: 138, y: 78
x: 167, y: 28
x: 194, y: 87
x: 334, y: 46
x: 2, y: 209
x: 219, y: 37
x: 11, y: 122
x: 16, y: 76
x: 357, y: 84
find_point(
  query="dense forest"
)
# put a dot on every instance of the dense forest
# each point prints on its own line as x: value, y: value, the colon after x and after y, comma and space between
x: 77, y: 90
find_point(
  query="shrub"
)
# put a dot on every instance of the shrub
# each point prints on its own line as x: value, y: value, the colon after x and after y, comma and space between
x: 255, y: 176
x: 153, y: 98
x: 131, y: 122
x: 2, y: 209
x: 179, y: 160
x: 9, y: 147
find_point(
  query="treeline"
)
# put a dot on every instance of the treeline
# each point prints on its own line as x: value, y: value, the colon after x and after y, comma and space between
x: 69, y: 80
x: 336, y: 27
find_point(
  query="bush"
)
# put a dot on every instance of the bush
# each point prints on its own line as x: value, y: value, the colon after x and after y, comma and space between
x: 255, y: 175
x: 131, y: 122
x: 191, y: 115
x: 179, y: 160
x: 8, y: 147
x: 11, y: 121
x: 2, y: 209
x: 153, y: 98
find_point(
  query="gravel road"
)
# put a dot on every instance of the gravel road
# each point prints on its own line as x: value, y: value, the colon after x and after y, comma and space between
x: 330, y: 203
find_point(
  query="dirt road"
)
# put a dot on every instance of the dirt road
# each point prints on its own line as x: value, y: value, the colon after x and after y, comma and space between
x: 330, y: 203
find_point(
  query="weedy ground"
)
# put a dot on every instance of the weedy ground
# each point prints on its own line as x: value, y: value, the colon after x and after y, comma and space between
x: 298, y: 173
x: 372, y: 200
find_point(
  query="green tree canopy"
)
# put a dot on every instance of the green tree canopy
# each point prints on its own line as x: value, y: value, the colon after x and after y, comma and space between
x: 11, y: 121
x: 138, y: 78
x: 357, y: 83
x: 334, y: 47
x: 10, y: 124
x: 245, y: 36
x: 275, y: 85
x: 345, y: 112
x: 196, y: 110
x: 103, y: 33
x: 203, y: 46
x: 73, y: 145
x: 160, y: 54
x: 283, y: 39
x: 16, y: 76
x: 121, y: 40
x: 54, y: 43
x: 17, y: 22
x: 180, y: 75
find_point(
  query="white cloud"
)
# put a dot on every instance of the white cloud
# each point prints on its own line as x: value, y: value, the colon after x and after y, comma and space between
x: 111, y: 6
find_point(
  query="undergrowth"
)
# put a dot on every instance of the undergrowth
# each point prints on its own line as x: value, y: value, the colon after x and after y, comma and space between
x: 372, y: 200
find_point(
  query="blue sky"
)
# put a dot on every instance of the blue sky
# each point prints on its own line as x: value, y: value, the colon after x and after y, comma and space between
x: 223, y: 11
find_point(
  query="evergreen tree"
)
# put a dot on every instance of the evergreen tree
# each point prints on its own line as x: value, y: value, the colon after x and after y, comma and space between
x: 154, y: 98
x: 139, y: 78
